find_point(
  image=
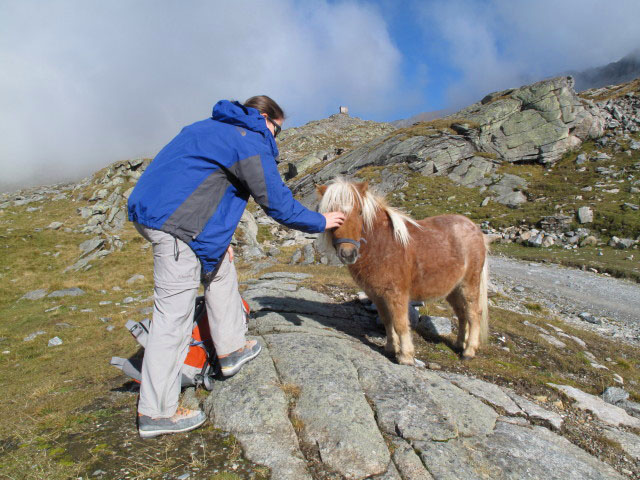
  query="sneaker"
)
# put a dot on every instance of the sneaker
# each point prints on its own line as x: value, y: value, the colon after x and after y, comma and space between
x: 183, y: 420
x: 231, y: 364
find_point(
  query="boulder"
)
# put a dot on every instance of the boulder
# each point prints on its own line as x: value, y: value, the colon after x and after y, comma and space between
x: 433, y: 327
x: 585, y: 215
x: 536, y: 122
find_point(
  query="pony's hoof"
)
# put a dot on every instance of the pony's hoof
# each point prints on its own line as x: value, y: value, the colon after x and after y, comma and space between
x: 405, y: 360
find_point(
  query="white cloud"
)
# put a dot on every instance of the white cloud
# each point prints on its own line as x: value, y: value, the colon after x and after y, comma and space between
x: 497, y: 44
x: 84, y: 84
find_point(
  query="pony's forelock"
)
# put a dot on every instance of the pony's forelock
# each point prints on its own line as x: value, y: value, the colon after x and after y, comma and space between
x: 342, y: 195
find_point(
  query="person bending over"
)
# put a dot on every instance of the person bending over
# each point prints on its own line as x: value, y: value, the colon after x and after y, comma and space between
x: 188, y: 203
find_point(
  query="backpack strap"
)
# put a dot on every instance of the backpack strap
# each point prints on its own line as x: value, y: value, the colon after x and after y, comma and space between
x: 139, y: 330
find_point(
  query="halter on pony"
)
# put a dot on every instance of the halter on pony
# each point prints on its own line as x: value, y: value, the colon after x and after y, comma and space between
x: 338, y: 241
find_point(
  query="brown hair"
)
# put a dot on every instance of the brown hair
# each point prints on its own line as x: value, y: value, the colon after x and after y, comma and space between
x: 265, y: 104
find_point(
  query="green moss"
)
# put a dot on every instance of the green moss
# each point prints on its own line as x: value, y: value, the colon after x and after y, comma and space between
x: 434, y: 127
x: 534, y: 307
x: 264, y: 234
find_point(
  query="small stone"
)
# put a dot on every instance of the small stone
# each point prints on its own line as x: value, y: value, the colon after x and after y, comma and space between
x: 105, y: 302
x: 110, y: 328
x: 518, y: 289
x: 128, y: 300
x: 578, y: 340
x: 362, y: 297
x: 434, y: 366
x: 33, y: 335
x: 136, y: 278
x: 614, y: 395
x: 98, y: 473
x: 433, y: 326
x: 54, y: 225
x: 618, y: 379
x: 587, y: 317
x: 68, y: 292
x: 34, y: 294
x: 552, y: 340
x: 54, y: 342
x: 585, y: 215
x: 296, y: 257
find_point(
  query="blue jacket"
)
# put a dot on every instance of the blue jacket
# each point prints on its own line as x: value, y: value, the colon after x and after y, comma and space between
x: 197, y: 187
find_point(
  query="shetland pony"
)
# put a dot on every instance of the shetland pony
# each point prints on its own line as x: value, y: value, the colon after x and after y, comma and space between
x: 396, y: 259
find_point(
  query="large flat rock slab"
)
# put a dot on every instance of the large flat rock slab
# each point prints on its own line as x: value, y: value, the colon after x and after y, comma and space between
x: 334, y: 413
x: 322, y: 401
x: 513, y: 452
x: 419, y: 405
x: 253, y: 406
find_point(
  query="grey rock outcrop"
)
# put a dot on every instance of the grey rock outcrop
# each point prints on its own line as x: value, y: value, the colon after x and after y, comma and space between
x: 302, y: 148
x: 322, y: 399
x: 538, y: 122
x: 534, y: 123
x: 608, y: 413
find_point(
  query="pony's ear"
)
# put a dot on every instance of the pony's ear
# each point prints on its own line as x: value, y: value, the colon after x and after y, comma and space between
x: 321, y: 189
x: 362, y: 187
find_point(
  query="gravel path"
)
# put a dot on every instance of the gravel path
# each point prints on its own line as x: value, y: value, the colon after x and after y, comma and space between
x: 614, y: 303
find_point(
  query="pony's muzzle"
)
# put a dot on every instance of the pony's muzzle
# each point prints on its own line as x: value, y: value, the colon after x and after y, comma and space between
x: 347, y: 249
x: 348, y: 254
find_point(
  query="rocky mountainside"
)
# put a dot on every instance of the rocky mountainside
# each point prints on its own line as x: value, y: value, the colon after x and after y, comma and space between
x: 555, y: 393
x: 536, y: 123
x: 614, y: 73
x: 323, y: 140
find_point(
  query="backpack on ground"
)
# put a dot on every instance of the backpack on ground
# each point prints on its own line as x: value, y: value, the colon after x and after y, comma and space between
x: 199, y: 368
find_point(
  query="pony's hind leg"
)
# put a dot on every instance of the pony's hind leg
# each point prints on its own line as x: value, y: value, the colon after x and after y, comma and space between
x: 459, y: 304
x: 467, y: 308
x: 473, y: 340
x: 392, y: 347
x: 397, y: 308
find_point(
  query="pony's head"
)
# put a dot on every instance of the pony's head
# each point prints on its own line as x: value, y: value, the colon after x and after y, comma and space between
x: 348, y: 198
x: 360, y: 207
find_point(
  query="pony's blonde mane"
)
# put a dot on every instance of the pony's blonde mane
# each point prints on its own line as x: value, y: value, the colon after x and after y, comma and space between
x: 342, y: 195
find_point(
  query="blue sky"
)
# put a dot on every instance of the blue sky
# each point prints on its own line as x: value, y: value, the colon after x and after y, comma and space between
x: 84, y: 83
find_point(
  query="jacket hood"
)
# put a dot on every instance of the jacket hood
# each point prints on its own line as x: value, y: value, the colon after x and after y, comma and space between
x: 234, y: 113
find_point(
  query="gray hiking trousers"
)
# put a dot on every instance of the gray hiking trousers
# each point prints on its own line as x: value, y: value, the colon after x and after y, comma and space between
x: 176, y: 274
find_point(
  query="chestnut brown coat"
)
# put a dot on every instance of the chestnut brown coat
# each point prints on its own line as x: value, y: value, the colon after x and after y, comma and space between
x: 395, y: 259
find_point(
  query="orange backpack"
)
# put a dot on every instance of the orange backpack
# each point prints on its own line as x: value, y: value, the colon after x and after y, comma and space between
x: 200, y: 366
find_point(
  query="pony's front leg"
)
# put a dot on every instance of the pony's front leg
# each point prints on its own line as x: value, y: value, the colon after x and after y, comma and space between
x: 392, y: 347
x: 400, y: 323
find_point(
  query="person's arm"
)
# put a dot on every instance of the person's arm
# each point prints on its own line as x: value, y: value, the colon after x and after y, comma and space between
x: 260, y: 176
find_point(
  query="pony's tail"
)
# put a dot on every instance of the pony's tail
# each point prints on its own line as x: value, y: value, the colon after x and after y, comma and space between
x: 484, y: 301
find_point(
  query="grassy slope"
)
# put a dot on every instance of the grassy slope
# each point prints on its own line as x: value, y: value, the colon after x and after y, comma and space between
x: 66, y: 411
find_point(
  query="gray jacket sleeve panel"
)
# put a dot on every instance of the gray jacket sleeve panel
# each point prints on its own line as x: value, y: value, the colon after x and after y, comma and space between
x: 261, y: 177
